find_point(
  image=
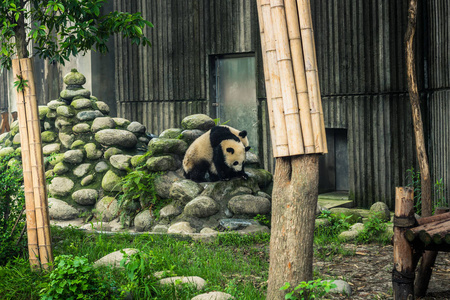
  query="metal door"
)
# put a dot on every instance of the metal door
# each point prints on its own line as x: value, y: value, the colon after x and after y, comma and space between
x: 235, y: 99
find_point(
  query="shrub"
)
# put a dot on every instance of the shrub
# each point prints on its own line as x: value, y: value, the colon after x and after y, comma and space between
x: 75, y: 278
x: 12, y: 206
x: 314, y: 289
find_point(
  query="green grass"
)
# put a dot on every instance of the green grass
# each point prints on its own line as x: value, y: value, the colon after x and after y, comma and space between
x: 233, y: 263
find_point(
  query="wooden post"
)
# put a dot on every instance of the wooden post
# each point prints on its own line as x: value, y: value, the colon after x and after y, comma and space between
x: 33, y: 248
x: 403, y: 272
x: 422, y: 157
x: 425, y: 268
x: 4, y: 127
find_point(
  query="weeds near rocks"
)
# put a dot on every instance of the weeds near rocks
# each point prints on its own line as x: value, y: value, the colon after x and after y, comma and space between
x: 374, y: 231
x: 314, y: 289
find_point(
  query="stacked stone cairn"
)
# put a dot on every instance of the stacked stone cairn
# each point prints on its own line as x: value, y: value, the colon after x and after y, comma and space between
x: 87, y: 154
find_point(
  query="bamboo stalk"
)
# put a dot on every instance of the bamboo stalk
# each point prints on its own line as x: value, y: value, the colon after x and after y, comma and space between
x: 307, y: 35
x: 267, y: 78
x: 299, y: 74
x: 33, y: 248
x: 37, y: 165
x: 281, y: 138
x: 290, y: 104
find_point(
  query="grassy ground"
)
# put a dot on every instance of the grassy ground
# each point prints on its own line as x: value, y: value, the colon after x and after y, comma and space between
x: 234, y: 264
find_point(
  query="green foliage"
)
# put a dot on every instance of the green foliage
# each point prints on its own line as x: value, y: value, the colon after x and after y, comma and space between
x: 75, y: 278
x: 61, y: 28
x: 20, y: 84
x: 374, y: 231
x: 314, y: 289
x: 336, y: 226
x: 439, y: 194
x: 263, y: 219
x: 217, y: 122
x: 413, y: 181
x: 16, y: 280
x: 236, y: 239
x: 12, y: 205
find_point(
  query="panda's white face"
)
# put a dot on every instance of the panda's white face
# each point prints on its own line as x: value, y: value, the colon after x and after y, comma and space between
x: 234, y: 153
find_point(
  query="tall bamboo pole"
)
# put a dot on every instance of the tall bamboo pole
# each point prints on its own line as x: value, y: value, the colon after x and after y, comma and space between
x: 37, y: 165
x: 33, y: 247
x: 281, y: 138
x: 299, y: 74
x: 267, y: 78
x: 290, y: 104
x: 307, y: 34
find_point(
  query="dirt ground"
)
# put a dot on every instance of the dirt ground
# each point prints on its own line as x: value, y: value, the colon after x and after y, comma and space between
x: 369, y: 273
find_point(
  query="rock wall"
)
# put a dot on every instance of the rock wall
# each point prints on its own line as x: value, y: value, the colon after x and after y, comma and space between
x: 87, y: 154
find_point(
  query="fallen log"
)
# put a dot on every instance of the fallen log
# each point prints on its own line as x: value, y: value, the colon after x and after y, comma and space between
x: 429, y: 232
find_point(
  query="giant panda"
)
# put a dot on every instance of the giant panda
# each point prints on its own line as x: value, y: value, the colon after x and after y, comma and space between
x: 216, y: 151
x: 242, y: 135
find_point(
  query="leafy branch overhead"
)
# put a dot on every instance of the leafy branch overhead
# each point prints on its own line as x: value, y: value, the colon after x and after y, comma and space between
x: 61, y: 28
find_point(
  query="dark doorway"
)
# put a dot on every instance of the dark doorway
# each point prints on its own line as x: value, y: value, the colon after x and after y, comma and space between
x: 333, y: 166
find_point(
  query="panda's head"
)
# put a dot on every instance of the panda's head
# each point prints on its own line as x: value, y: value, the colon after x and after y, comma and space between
x: 234, y: 154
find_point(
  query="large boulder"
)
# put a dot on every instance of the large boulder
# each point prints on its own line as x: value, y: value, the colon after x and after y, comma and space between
x: 60, y: 186
x: 85, y: 196
x: 249, y: 205
x: 198, y: 121
x: 102, y: 123
x: 144, y: 221
x: 60, y: 210
x: 201, y: 207
x: 221, y: 190
x: 106, y: 209
x: 162, y: 163
x: 181, y: 228
x: 159, y: 146
x: 116, y: 137
x: 164, y: 182
x: 380, y: 210
x: 351, y: 216
x: 184, y: 191
x: 111, y: 182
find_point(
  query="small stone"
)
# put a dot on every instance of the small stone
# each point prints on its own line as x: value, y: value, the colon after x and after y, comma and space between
x: 380, y: 210
x: 184, y: 191
x: 6, y: 151
x: 213, y: 296
x: 348, y: 235
x: 55, y: 103
x: 198, y: 121
x: 191, y: 135
x: 121, y: 122
x: 198, y: 282
x: 102, y: 123
x: 143, y: 221
x: 164, y: 146
x: 43, y: 111
x: 208, y: 230
x: 60, y: 168
x: 65, y: 111
x: 171, y: 133
x: 61, y: 186
x: 236, y: 224
x: 60, y: 210
x: 51, y: 148
x: 136, y: 160
x: 61, y: 122
x: 181, y: 228
x: 342, y: 287
x: 160, y: 228
x: 87, y: 180
x: 101, y: 167
x: 162, y: 163
x: 85, y: 196
x: 136, y: 127
x: 66, y: 139
x: 116, y: 138
x: 111, y: 182
x: 249, y: 205
x: 74, y: 78
x: 114, y: 259
x: 169, y: 211
x: 340, y: 212
x: 78, y: 144
x: 16, y: 139
x: 81, y: 128
x: 51, y: 114
x: 261, y: 176
x: 164, y: 182
x: 81, y: 103
x: 112, y: 151
x: 252, y: 229
x: 103, y: 107
x: 72, y: 93
x: 106, y: 209
x: 121, y: 162
x: 92, y: 152
x: 89, y: 115
x: 3, y: 136
x: 81, y: 170
x: 201, y: 207
x: 54, y: 159
x: 357, y: 227
x: 48, y: 136
x: 47, y: 126
x: 73, y: 156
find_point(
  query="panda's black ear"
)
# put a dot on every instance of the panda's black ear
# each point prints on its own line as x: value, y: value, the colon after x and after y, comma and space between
x: 231, y: 150
x: 243, y: 133
x: 247, y: 148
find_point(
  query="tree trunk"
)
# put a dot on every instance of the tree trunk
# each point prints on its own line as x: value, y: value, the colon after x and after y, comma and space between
x: 21, y: 36
x: 294, y: 202
x: 416, y: 114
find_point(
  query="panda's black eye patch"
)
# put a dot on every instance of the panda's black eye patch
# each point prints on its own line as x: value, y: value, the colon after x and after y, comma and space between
x: 231, y: 150
x: 235, y: 163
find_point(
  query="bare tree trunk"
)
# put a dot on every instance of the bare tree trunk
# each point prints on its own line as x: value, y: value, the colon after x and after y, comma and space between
x: 21, y: 36
x: 294, y: 202
x: 415, y: 107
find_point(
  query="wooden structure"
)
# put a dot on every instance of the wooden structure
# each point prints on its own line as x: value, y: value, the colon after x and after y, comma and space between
x: 415, y: 239
x: 38, y: 222
x: 361, y: 67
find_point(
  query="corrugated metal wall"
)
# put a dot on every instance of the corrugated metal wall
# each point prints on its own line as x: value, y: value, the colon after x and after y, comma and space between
x: 438, y: 90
